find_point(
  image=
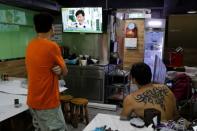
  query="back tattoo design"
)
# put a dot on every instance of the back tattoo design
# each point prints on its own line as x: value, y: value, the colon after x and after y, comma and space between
x: 153, y: 96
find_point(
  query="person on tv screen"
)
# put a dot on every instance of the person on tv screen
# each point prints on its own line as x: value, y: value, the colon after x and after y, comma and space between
x: 156, y: 96
x: 80, y: 17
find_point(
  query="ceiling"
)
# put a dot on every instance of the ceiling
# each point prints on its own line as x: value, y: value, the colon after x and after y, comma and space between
x: 112, y: 3
x: 38, y: 5
x: 167, y: 6
x: 179, y: 6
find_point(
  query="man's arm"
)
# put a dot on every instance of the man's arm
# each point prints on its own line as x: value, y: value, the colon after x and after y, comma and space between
x: 60, y: 67
x: 59, y: 71
x: 127, y: 107
x: 65, y: 71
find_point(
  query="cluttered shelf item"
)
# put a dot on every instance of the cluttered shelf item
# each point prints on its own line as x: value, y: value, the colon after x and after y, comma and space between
x: 109, y: 122
x: 81, y: 60
x: 106, y: 122
x: 117, y: 85
x: 104, y: 128
x: 183, y: 85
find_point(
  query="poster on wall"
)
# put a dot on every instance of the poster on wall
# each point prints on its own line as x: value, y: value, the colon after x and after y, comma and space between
x: 9, y: 28
x: 9, y: 16
x: 13, y: 17
x: 57, y: 30
x: 130, y: 41
x: 19, y: 17
x: 57, y: 38
x: 2, y: 15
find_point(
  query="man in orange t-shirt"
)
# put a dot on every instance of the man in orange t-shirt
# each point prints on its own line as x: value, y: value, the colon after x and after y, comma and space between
x: 44, y: 64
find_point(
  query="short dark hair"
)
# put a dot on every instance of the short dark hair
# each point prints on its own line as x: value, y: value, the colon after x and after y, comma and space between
x: 43, y: 22
x: 80, y: 12
x: 142, y: 73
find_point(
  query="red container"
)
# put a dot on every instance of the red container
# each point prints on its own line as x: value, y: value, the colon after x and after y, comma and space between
x: 175, y: 59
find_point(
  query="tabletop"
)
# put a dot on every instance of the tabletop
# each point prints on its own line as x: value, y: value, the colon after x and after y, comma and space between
x: 113, y: 122
x: 9, y: 91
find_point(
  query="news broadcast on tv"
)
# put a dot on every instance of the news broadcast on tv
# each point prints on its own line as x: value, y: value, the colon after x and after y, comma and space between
x: 87, y: 19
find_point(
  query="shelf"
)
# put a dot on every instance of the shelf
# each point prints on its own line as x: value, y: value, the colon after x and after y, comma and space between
x: 118, y: 85
x: 116, y: 96
x: 120, y: 74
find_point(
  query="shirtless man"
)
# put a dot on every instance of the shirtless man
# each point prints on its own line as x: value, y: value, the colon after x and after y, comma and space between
x: 149, y: 95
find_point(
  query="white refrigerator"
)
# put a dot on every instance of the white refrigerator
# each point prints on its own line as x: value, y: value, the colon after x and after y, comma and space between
x: 154, y: 36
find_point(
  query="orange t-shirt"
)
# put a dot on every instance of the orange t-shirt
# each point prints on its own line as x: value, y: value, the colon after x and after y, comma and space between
x: 41, y: 56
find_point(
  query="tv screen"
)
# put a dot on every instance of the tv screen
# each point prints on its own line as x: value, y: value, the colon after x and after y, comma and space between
x: 87, y: 19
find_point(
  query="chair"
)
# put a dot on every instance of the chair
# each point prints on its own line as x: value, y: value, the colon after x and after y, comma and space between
x: 79, y: 111
x: 65, y: 100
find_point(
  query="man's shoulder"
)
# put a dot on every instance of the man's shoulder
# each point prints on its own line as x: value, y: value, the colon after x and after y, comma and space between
x: 150, y: 89
x: 42, y: 41
x: 130, y: 97
x: 51, y: 44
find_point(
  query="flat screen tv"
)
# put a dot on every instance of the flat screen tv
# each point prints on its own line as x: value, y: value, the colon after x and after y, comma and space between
x: 85, y: 19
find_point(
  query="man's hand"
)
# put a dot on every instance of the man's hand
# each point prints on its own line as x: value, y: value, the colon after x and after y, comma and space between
x: 57, y: 70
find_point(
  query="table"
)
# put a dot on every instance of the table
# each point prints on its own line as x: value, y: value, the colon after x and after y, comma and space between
x: 113, y: 122
x: 7, y: 108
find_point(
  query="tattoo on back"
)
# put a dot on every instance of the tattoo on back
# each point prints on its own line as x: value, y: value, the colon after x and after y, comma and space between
x: 153, y: 96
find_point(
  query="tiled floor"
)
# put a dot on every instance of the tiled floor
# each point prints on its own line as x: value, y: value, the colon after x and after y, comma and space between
x: 92, y: 113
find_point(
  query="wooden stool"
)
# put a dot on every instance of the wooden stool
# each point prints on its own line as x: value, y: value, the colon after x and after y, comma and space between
x: 79, y: 111
x: 65, y: 100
